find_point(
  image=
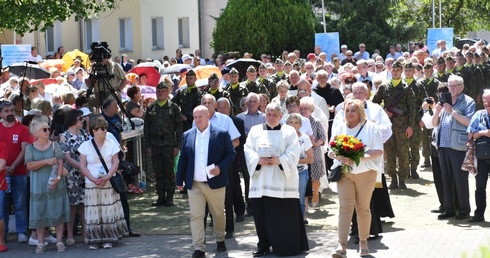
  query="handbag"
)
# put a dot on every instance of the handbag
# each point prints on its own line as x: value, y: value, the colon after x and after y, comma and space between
x: 117, y: 181
x: 482, y: 145
x: 336, y: 173
x: 128, y: 168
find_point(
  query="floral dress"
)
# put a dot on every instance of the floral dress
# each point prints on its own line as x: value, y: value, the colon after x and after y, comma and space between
x: 75, y: 182
x: 318, y: 165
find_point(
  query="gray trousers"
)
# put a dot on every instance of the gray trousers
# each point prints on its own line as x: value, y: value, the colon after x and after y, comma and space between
x: 454, y: 181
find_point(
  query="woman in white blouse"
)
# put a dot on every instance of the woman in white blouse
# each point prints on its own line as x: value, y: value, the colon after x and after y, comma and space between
x: 356, y: 187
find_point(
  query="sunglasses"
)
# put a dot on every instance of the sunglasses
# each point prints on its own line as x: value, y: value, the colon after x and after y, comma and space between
x: 45, y: 129
x: 33, y: 90
x: 80, y: 118
x: 101, y: 128
x: 349, y: 81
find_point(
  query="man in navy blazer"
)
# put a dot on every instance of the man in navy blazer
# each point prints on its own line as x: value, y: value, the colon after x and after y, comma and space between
x: 205, y: 156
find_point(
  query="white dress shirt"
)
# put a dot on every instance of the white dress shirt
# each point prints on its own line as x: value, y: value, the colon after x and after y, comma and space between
x: 201, y: 155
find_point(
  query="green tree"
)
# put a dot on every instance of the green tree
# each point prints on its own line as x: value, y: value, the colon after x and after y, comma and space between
x: 462, y: 15
x: 24, y: 16
x: 265, y: 26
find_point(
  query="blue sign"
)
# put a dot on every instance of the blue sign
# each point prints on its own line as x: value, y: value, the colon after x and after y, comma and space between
x: 15, y: 54
x: 329, y: 42
x: 435, y: 34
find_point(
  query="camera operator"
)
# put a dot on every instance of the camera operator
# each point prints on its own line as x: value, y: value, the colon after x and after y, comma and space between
x: 105, y: 68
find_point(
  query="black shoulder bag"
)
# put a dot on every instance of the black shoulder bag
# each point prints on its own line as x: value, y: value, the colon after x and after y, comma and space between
x: 336, y: 173
x: 117, y: 181
x: 482, y: 144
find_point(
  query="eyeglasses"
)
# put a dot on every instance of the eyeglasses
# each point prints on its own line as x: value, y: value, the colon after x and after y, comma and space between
x: 350, y: 81
x: 101, y: 128
x: 33, y: 90
x: 45, y: 129
x: 80, y: 118
x: 454, y: 85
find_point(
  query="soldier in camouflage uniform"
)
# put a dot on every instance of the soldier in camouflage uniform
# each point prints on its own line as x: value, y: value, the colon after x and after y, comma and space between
x: 471, y: 75
x: 251, y: 84
x: 280, y: 74
x: 187, y: 98
x: 450, y: 65
x: 416, y: 138
x: 266, y: 82
x: 485, y: 66
x: 163, y: 135
x: 428, y: 87
x: 401, y: 117
x: 442, y: 75
x: 235, y: 91
x: 213, y: 87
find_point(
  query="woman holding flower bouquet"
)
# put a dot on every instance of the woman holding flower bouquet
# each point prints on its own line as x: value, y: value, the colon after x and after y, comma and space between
x: 356, y: 145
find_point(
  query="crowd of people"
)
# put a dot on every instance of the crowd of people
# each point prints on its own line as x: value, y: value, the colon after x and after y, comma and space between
x: 271, y: 124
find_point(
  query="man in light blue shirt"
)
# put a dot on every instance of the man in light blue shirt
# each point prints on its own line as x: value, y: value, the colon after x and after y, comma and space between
x: 362, y: 53
x: 220, y: 120
x: 252, y: 116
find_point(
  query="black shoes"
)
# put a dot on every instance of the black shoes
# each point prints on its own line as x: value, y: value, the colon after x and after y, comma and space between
x: 414, y: 175
x: 249, y: 214
x: 169, y: 201
x: 134, y: 234
x: 446, y: 215
x: 462, y: 216
x: 221, y: 247
x: 198, y: 254
x: 240, y: 218
x: 401, y: 184
x: 159, y: 202
x: 261, y: 252
x: 439, y: 210
x: 229, y: 235
x: 394, y: 182
x: 476, y: 219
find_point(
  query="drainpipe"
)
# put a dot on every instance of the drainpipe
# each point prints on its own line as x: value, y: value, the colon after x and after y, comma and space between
x: 199, y: 14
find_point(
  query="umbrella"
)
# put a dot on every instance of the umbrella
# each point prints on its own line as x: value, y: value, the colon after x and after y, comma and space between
x: 32, y: 71
x: 153, y: 75
x: 155, y: 64
x: 176, y: 68
x: 69, y: 57
x: 58, y: 63
x: 242, y: 65
x: 46, y: 81
x: 202, y: 74
x: 146, y: 92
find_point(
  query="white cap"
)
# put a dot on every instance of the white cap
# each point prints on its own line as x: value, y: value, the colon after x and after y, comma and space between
x: 85, y: 111
x: 185, y: 57
x: 343, y: 46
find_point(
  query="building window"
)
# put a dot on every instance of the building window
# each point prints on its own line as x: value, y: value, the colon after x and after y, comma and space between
x: 92, y: 33
x: 53, y: 38
x: 125, y: 34
x: 157, y: 33
x: 184, y: 36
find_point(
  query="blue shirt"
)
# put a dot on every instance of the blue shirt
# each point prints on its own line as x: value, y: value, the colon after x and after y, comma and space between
x: 364, y: 55
x: 446, y: 121
x: 251, y: 119
x: 395, y: 56
x: 478, y: 123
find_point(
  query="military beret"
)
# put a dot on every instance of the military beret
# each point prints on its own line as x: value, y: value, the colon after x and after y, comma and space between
x: 468, y: 53
x: 234, y: 71
x: 397, y: 64
x: 190, y: 73
x: 449, y: 58
x: 162, y: 85
x: 441, y: 60
x: 213, y: 76
x: 278, y: 61
x: 251, y: 69
x: 262, y: 67
x: 428, y: 65
x: 287, y: 63
x: 225, y: 70
x: 408, y: 65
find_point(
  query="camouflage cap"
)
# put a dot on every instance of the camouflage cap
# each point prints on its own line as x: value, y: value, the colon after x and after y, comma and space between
x: 234, y: 71
x: 278, y: 61
x: 262, y: 67
x: 441, y: 60
x: 190, y: 73
x: 429, y: 64
x: 251, y: 69
x: 162, y: 85
x: 287, y: 63
x: 407, y: 65
x: 449, y: 58
x: 397, y: 64
x: 213, y: 76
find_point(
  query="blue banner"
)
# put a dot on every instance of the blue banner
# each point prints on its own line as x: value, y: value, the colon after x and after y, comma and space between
x: 329, y: 42
x: 435, y: 34
x: 15, y: 54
